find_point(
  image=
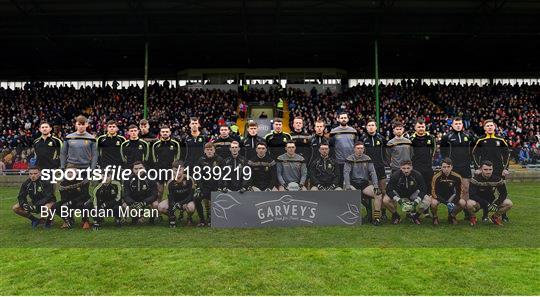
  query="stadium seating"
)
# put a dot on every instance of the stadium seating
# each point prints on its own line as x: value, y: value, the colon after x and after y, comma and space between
x: 515, y: 109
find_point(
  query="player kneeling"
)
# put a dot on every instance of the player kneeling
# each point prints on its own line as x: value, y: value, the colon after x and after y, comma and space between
x: 482, y: 194
x: 408, y: 189
x: 107, y: 196
x: 140, y: 194
x: 446, y: 188
x: 41, y: 197
x: 180, y: 196
x: 358, y: 172
x: 74, y: 197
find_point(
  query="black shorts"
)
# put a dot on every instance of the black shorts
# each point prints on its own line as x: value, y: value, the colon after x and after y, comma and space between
x: 181, y: 202
x: 427, y: 174
x: 464, y: 171
x: 484, y: 203
x: 381, y: 172
x: 360, y: 185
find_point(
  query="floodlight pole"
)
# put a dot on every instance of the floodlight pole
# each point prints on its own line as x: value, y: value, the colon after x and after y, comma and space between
x: 145, y: 113
x: 377, y: 102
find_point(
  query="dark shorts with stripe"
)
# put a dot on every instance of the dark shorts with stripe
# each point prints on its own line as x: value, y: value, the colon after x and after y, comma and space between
x: 360, y: 185
x: 484, y: 203
x: 427, y: 174
x: 381, y: 172
x: 464, y: 171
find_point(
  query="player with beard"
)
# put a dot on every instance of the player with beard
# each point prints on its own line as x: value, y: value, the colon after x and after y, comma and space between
x: 164, y: 152
x: 406, y: 187
x: 148, y: 136
x: 249, y: 143
x: 47, y: 148
x: 145, y: 133
x: 488, y: 191
x: 342, y: 140
x: 424, y: 146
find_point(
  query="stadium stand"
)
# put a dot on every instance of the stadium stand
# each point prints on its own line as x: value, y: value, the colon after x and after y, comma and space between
x: 515, y: 109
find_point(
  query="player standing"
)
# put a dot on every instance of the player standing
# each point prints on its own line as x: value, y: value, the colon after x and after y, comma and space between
x: 399, y: 148
x: 342, y: 140
x: 47, y: 148
x: 249, y: 143
x: 277, y: 139
x: 79, y: 148
x: 134, y: 149
x: 164, y: 152
x: 109, y: 146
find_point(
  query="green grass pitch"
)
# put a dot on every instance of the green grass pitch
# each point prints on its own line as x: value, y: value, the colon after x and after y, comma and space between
x: 386, y: 260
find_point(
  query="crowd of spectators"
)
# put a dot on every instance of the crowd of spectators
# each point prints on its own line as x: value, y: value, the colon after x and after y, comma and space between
x: 514, y: 108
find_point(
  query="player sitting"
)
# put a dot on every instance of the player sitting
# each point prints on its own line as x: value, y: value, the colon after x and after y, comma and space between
x: 358, y: 172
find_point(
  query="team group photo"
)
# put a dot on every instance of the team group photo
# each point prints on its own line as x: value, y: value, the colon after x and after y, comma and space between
x: 470, y: 178
x: 269, y: 148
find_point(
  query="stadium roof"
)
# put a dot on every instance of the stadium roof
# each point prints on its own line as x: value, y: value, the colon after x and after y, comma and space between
x: 105, y: 39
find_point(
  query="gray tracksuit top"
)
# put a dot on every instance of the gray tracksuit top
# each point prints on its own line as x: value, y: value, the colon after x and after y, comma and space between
x: 291, y: 169
x: 79, y: 149
x: 359, y: 169
x: 399, y: 150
